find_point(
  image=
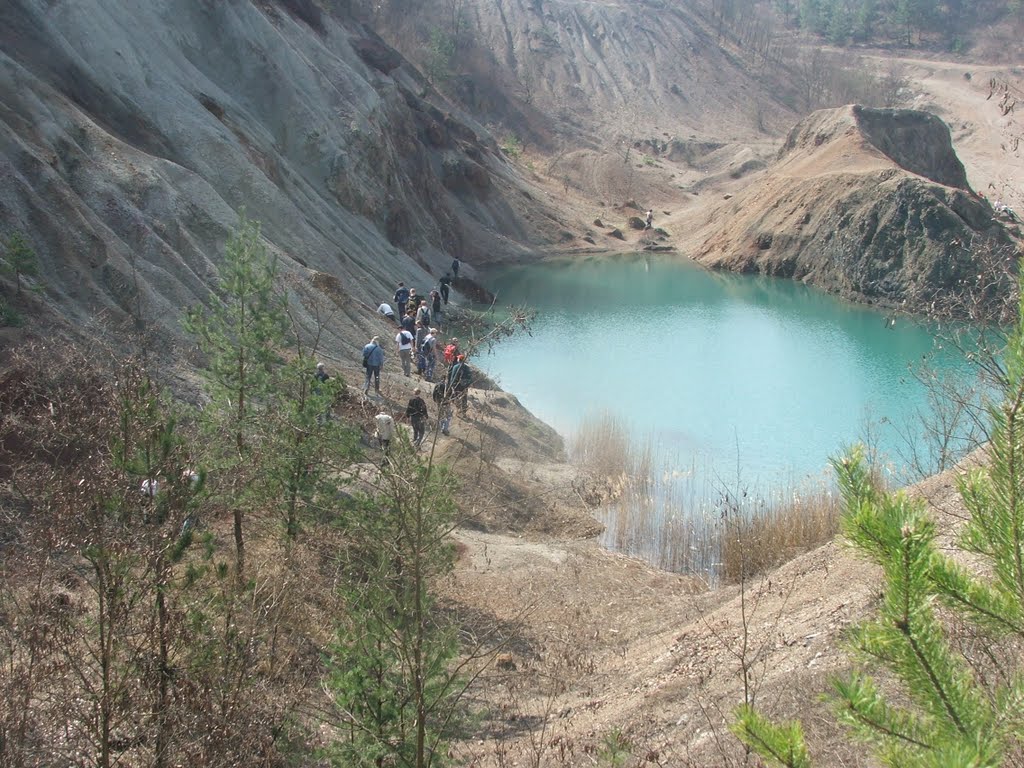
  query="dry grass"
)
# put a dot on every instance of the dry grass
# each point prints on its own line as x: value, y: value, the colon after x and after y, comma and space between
x: 755, y: 541
x: 680, y: 523
x: 603, y: 446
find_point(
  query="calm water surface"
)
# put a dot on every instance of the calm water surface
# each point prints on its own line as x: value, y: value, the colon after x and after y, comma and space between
x: 755, y: 381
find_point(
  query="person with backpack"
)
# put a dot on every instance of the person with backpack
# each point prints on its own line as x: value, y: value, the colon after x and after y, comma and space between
x: 423, y: 313
x: 409, y: 321
x: 460, y: 377
x: 417, y: 345
x: 401, y: 298
x: 451, y: 350
x: 428, y: 353
x: 404, y: 339
x: 416, y: 411
x: 373, y: 360
x: 320, y: 378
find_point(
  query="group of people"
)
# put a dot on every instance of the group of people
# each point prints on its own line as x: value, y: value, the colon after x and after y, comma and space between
x: 451, y: 393
x: 418, y: 339
x: 424, y: 344
x: 414, y: 310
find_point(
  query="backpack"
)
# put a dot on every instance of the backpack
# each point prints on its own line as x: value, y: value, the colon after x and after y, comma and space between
x: 449, y: 353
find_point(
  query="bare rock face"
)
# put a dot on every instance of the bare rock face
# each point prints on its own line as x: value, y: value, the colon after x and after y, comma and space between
x: 871, y: 204
x: 132, y: 134
x: 915, y: 141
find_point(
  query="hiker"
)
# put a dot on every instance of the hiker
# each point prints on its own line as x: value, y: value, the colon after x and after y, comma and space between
x: 423, y: 313
x: 409, y: 321
x: 373, y: 359
x: 460, y: 377
x: 444, y: 406
x: 401, y: 298
x: 417, y: 413
x: 421, y: 334
x: 404, y: 339
x: 445, y: 283
x: 385, y: 429
x: 451, y: 350
x: 435, y: 307
x: 321, y: 375
x: 413, y: 302
x: 428, y: 353
x: 650, y: 219
x: 455, y: 267
x: 386, y: 310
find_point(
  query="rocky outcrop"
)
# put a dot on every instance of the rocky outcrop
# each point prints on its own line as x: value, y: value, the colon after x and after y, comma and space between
x: 871, y: 204
x: 132, y: 134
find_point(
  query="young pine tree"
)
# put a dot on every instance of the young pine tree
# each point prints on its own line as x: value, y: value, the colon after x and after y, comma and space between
x: 957, y: 711
x: 19, y: 259
x: 394, y: 679
x: 241, y: 334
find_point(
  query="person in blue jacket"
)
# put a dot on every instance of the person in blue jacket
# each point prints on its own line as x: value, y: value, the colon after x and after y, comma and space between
x: 373, y: 360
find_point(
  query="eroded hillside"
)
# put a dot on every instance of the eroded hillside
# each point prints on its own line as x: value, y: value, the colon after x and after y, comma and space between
x: 872, y: 204
x: 132, y: 134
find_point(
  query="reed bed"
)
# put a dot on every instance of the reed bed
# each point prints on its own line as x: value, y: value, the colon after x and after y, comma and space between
x: 677, y: 519
x: 772, y: 533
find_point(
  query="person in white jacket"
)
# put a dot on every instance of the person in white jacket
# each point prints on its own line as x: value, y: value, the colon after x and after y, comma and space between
x: 385, y: 429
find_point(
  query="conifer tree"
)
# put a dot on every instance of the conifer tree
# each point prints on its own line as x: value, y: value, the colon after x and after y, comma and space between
x: 393, y: 676
x: 19, y: 259
x: 241, y: 334
x: 950, y: 714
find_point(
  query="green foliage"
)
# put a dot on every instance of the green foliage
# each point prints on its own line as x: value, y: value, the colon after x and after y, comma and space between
x: 9, y: 316
x: 903, y: 21
x: 778, y: 744
x: 242, y: 331
x: 392, y: 664
x: 440, y: 53
x: 954, y: 710
x: 19, y: 259
x: 512, y: 146
x: 615, y: 750
x: 241, y: 335
x: 304, y: 445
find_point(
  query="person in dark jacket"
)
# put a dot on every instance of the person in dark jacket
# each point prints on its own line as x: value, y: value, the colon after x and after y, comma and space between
x: 401, y: 298
x: 455, y: 267
x: 444, y: 406
x: 460, y: 377
x: 435, y: 308
x: 416, y: 411
x: 445, y: 283
x: 373, y: 360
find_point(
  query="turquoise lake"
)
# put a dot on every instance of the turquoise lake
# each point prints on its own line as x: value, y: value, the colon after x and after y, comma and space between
x: 752, y: 382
